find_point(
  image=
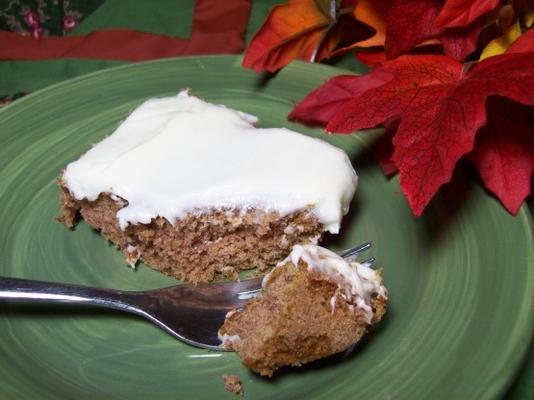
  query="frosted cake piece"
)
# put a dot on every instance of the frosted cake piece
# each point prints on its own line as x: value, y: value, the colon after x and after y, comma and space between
x: 196, y: 190
x: 313, y: 304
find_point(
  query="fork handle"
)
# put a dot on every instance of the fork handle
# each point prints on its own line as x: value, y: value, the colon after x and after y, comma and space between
x: 14, y: 289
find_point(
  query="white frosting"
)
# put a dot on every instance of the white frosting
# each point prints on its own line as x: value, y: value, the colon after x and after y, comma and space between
x: 227, y: 340
x: 356, y: 282
x: 133, y: 254
x: 179, y: 154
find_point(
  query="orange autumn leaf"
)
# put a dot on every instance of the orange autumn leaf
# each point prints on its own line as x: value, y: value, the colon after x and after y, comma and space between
x: 291, y: 31
x: 372, y: 13
x: 309, y: 30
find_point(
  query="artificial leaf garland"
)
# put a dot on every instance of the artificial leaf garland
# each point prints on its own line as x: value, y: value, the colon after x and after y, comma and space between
x: 438, y: 109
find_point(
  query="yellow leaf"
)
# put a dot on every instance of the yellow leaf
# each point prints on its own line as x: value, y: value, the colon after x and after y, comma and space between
x: 500, y: 44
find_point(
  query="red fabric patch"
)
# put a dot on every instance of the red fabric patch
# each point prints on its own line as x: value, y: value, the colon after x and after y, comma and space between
x: 218, y: 28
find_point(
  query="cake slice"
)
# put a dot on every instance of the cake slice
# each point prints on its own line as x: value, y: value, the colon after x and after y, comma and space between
x: 195, y: 190
x: 313, y: 304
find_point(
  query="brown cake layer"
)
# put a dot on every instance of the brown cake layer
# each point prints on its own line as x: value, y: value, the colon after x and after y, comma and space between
x: 292, y: 322
x: 202, y: 245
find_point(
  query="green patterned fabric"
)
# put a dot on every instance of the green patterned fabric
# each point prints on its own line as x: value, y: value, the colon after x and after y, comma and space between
x: 164, y: 17
x: 44, y: 17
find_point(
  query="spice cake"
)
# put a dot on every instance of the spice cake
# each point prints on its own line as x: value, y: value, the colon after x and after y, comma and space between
x: 196, y: 190
x: 313, y: 304
x: 233, y: 384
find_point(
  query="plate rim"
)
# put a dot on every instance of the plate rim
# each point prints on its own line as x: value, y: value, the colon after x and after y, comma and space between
x: 520, y: 349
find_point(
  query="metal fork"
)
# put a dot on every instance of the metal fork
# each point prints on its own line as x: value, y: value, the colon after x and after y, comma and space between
x: 192, y: 314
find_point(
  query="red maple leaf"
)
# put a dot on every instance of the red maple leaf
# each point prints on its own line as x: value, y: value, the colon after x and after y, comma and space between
x: 524, y: 43
x: 412, y: 22
x: 323, y: 103
x: 460, y: 13
x: 440, y: 108
x: 372, y: 58
x: 504, y: 151
x: 383, y: 148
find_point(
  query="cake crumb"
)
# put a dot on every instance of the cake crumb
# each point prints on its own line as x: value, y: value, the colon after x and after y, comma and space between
x: 232, y: 383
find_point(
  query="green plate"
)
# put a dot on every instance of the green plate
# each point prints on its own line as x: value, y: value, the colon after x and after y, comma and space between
x: 461, y: 278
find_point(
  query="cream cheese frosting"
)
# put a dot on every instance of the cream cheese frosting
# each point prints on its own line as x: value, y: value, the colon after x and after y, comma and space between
x: 356, y: 282
x: 180, y: 154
